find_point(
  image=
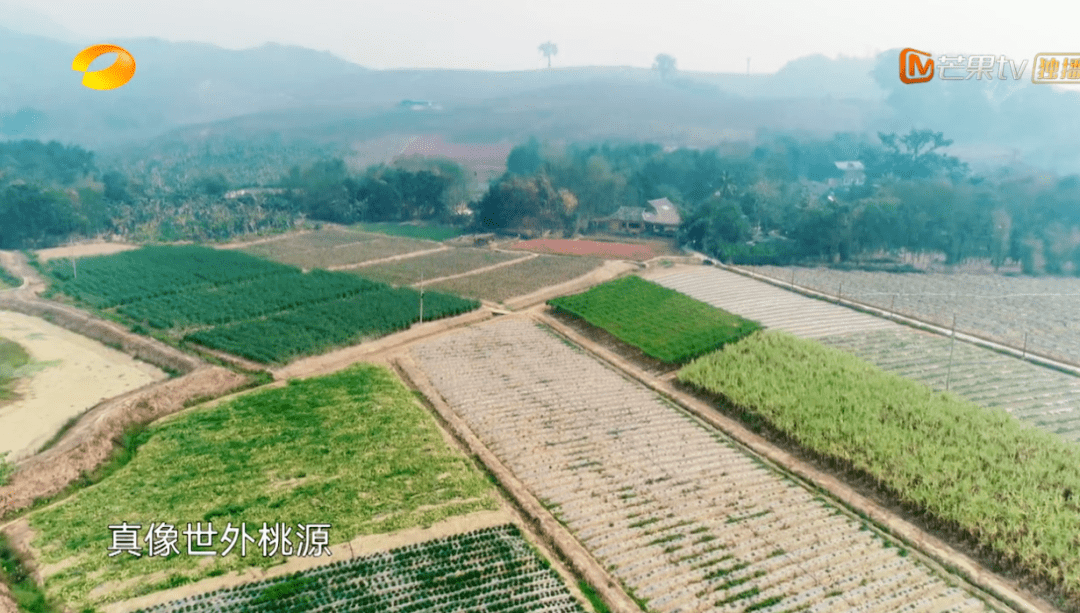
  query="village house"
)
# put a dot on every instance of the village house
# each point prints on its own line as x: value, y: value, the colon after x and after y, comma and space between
x: 661, y: 217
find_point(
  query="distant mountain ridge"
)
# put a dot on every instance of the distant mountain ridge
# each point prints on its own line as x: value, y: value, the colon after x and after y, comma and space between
x: 186, y: 93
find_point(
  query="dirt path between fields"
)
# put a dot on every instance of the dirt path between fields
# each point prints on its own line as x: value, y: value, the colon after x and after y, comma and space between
x: 477, y: 271
x: 936, y: 552
x: 392, y: 258
x: 259, y: 241
x: 84, y: 250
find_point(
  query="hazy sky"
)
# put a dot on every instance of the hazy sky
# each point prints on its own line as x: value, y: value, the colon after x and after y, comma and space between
x: 705, y: 35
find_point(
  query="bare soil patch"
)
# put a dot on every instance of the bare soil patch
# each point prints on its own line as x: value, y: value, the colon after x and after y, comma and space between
x: 76, y: 374
x: 565, y: 246
x: 91, y: 441
x: 79, y: 251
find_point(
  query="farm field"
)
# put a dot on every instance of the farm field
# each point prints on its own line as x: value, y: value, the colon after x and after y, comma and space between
x: 491, y: 569
x: 518, y: 279
x: 771, y: 306
x: 8, y: 280
x: 354, y: 450
x: 1035, y: 395
x: 1006, y: 486
x: 58, y: 375
x: 254, y: 308
x: 12, y: 359
x: 663, y: 323
x: 997, y: 307
x: 603, y: 249
x: 334, y: 247
x: 434, y: 265
x: 425, y: 232
x: 684, y: 518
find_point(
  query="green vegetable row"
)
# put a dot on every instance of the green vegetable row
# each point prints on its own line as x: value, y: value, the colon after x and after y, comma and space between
x: 663, y: 323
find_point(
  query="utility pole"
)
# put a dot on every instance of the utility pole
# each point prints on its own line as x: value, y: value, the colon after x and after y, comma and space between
x: 421, y: 295
x: 75, y: 267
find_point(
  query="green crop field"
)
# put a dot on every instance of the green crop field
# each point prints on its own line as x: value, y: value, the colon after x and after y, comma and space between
x: 433, y: 233
x: 434, y: 265
x: 8, y: 280
x: 491, y: 569
x: 663, y: 323
x: 354, y: 450
x: 12, y: 358
x: 235, y: 302
x: 1011, y: 488
x: 519, y: 279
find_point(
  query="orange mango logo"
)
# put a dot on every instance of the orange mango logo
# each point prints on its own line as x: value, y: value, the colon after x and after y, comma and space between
x: 110, y: 78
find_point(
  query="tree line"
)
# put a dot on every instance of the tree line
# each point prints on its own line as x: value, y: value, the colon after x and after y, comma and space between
x: 785, y: 200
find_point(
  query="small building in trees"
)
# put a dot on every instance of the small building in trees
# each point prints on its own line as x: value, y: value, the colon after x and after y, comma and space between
x: 661, y: 217
x: 626, y: 220
x: 854, y: 172
x: 664, y: 217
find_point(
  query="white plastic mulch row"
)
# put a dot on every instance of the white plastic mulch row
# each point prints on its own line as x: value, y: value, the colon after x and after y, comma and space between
x: 686, y: 520
x: 1035, y: 395
x: 770, y: 306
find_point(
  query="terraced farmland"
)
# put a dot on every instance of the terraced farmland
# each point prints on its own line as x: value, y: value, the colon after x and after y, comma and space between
x: 1001, y: 308
x: 335, y: 247
x: 687, y: 520
x: 1039, y: 396
x: 771, y: 306
x: 492, y: 569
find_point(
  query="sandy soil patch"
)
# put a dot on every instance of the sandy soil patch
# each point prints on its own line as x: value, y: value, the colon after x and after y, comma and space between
x: 78, y: 251
x: 76, y: 374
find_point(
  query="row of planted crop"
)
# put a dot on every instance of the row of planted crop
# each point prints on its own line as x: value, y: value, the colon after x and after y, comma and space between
x: 684, y: 518
x: 663, y: 323
x: 1039, y: 396
x: 318, y: 326
x: 493, y: 568
x: 1010, y: 488
x: 108, y: 281
x: 241, y: 301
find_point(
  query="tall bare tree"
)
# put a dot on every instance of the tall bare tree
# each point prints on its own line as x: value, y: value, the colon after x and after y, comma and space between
x: 548, y: 49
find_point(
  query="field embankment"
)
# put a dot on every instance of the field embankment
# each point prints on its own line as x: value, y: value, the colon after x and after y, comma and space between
x: 66, y: 374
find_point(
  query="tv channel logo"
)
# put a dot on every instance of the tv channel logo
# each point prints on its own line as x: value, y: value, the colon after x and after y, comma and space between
x: 112, y: 77
x: 916, y: 66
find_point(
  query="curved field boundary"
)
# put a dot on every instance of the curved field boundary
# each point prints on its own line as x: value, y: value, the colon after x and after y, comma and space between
x: 771, y: 306
x: 90, y: 441
x: 686, y: 518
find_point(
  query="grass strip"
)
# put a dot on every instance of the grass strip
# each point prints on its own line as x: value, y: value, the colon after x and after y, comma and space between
x: 663, y: 323
x: 1011, y: 489
x: 353, y: 449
